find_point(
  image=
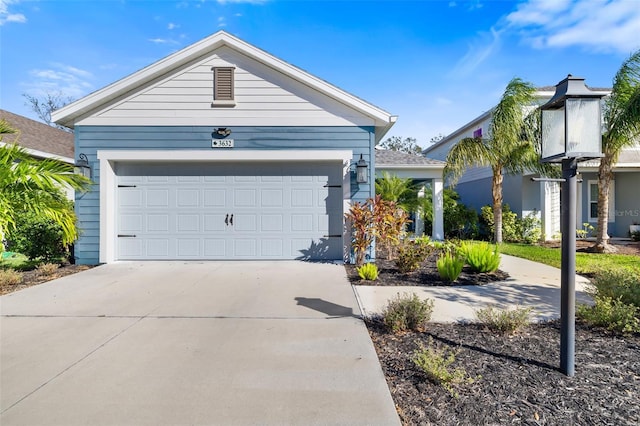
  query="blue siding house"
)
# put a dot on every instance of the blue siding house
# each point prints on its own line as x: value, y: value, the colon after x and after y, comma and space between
x: 221, y: 151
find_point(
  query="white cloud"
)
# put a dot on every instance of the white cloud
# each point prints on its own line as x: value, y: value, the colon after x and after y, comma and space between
x: 172, y: 26
x: 598, y: 25
x: 159, y: 40
x: 478, y: 52
x: 222, y: 22
x: 8, y: 16
x: 59, y: 78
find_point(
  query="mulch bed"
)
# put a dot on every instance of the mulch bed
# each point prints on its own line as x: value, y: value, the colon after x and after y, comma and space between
x: 517, y: 377
x: 426, y: 275
x: 34, y: 277
x: 520, y: 380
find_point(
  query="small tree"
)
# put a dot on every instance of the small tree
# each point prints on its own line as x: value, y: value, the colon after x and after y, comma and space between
x: 621, y: 115
x: 406, y: 145
x: 401, y: 191
x: 504, y: 150
x: 44, y: 106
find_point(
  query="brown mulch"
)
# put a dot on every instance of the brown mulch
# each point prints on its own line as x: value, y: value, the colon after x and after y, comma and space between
x: 517, y: 378
x: 426, y: 275
x: 35, y: 277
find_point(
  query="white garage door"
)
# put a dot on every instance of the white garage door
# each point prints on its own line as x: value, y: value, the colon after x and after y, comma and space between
x: 229, y: 211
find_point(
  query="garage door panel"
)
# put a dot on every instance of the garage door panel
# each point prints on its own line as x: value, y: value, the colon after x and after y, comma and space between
x: 157, y: 198
x: 157, y: 248
x: 131, y: 223
x: 214, y: 197
x: 271, y: 223
x: 214, y: 223
x: 188, y: 223
x: 184, y: 210
x: 188, y: 248
x: 244, y: 223
x: 215, y: 248
x: 187, y: 197
x: 271, y: 247
x: 157, y: 223
x: 245, y: 247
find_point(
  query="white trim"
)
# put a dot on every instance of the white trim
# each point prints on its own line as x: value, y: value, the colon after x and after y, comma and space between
x: 612, y: 201
x: 108, y: 159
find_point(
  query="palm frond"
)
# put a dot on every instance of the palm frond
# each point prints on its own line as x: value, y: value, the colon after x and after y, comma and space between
x: 468, y: 152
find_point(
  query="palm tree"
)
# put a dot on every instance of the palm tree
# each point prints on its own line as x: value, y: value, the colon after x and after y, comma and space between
x: 30, y: 185
x: 401, y: 191
x: 505, y: 150
x: 621, y: 114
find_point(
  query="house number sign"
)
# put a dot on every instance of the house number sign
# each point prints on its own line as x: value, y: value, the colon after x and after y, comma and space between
x: 221, y: 143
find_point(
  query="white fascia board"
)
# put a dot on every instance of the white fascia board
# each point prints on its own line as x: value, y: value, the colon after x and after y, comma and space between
x: 67, y: 114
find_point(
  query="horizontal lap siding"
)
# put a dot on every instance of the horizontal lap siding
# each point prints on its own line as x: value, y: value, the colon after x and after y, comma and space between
x: 90, y: 139
x: 262, y: 98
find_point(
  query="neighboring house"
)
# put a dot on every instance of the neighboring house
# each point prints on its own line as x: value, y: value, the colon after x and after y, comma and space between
x: 542, y: 199
x: 421, y: 170
x: 40, y: 140
x: 221, y: 151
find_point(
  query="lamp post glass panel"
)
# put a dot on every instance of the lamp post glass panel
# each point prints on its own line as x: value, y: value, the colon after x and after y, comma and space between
x: 571, y: 132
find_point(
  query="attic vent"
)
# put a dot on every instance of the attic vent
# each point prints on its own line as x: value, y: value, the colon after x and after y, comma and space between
x: 223, y: 86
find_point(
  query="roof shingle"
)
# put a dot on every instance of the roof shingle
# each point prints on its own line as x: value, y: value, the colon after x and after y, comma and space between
x: 38, y: 136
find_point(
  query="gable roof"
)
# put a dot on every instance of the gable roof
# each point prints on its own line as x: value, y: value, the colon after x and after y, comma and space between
x: 82, y: 107
x: 40, y: 139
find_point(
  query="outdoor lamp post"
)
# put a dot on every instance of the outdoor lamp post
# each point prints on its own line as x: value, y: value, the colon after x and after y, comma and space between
x: 571, y: 132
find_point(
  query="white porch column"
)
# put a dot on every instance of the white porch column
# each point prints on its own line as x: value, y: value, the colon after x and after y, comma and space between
x: 438, y: 220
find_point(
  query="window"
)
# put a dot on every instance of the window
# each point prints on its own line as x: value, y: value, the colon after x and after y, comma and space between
x: 593, y: 201
x: 223, y: 93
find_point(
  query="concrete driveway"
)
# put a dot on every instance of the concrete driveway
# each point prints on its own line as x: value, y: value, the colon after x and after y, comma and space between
x: 170, y: 343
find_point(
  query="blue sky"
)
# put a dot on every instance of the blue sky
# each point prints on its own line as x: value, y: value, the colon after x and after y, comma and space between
x: 435, y: 64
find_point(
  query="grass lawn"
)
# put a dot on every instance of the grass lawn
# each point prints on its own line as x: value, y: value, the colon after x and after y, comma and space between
x: 16, y: 261
x: 586, y: 263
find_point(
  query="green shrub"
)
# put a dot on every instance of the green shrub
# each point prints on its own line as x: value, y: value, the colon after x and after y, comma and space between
x: 411, y: 255
x: 449, y: 267
x: 47, y: 269
x: 619, y: 284
x: 460, y: 221
x: 504, y: 320
x: 635, y: 235
x: 480, y: 256
x: 37, y: 238
x: 612, y: 314
x: 9, y: 277
x: 514, y: 229
x: 407, y: 312
x: 368, y: 272
x: 436, y: 364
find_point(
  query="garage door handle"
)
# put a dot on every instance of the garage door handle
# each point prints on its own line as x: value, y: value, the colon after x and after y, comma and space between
x: 226, y: 219
x: 333, y: 236
x: 126, y: 236
x: 231, y: 220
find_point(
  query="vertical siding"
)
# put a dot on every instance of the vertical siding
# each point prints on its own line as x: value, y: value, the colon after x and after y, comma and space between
x: 90, y: 139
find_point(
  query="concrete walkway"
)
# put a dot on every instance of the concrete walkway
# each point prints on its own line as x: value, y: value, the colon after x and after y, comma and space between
x: 530, y: 284
x: 198, y: 343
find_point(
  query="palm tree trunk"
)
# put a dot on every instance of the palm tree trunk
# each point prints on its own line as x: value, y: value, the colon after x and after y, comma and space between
x: 496, y: 191
x: 605, y: 175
